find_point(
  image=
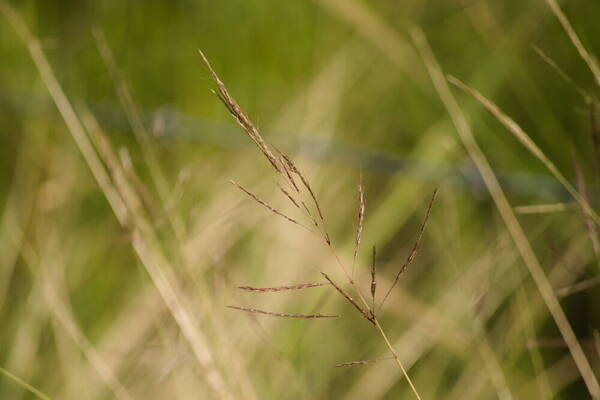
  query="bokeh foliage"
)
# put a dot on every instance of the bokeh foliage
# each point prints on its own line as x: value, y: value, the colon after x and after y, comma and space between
x: 339, y: 85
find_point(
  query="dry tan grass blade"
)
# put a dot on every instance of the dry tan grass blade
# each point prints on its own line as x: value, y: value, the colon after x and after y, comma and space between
x: 529, y: 144
x: 133, y: 115
x: 585, y: 55
x: 578, y: 287
x: 545, y: 208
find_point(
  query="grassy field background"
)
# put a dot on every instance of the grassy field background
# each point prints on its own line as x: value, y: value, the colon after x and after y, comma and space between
x: 122, y: 241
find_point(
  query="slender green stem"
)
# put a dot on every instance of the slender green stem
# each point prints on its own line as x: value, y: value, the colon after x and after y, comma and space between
x: 393, y: 351
x: 377, y: 325
x: 24, y: 384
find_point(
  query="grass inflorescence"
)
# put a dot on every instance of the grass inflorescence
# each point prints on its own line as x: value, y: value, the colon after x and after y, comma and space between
x: 285, y: 168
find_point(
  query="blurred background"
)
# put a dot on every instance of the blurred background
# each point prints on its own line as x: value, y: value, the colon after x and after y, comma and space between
x: 122, y: 241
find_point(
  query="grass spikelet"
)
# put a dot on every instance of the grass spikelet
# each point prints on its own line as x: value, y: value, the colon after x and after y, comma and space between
x: 266, y: 205
x: 366, y: 314
x: 414, y: 250
x: 305, y: 182
x: 286, y: 194
x: 312, y: 194
x: 239, y: 115
x: 289, y: 176
x: 360, y: 218
x: 283, y: 315
x: 361, y: 362
x: 312, y: 218
x: 373, y: 277
x: 284, y: 166
x: 281, y: 288
x: 285, y: 162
